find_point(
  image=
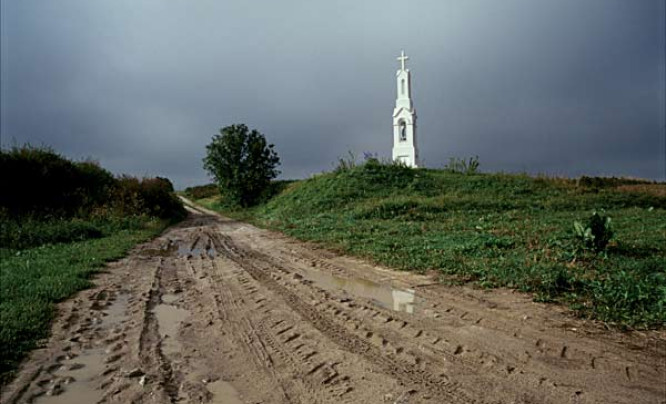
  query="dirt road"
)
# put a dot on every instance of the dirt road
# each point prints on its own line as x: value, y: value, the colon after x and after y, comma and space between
x: 218, y: 311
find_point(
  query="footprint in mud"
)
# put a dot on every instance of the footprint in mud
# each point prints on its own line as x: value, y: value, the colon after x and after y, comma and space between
x: 73, y: 381
x: 73, y: 378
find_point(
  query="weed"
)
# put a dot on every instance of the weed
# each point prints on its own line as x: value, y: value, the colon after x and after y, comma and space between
x: 596, y: 233
x: 346, y: 163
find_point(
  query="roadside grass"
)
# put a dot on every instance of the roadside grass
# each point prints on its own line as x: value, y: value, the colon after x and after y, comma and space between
x: 32, y: 280
x: 29, y: 232
x: 491, y: 230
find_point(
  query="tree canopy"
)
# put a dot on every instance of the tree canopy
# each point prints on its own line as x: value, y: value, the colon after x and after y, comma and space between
x: 242, y: 164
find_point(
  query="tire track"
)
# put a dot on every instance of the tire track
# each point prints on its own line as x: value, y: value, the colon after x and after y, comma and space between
x: 409, y: 374
x: 261, y: 326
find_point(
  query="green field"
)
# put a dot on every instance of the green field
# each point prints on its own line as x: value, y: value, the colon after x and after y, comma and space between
x: 489, y: 230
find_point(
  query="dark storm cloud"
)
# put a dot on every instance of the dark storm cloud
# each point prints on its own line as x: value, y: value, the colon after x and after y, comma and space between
x: 558, y: 87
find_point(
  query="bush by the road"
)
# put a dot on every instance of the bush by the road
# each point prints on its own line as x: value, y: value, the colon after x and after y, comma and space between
x: 59, y: 221
x: 47, y: 198
x: 38, y: 181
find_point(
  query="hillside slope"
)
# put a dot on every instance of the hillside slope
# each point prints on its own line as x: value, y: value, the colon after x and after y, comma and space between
x: 492, y: 230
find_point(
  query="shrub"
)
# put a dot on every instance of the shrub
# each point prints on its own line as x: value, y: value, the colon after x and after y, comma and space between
x: 147, y: 196
x: 46, y: 184
x: 202, y: 191
x: 462, y: 166
x: 375, y: 173
x: 126, y: 199
x: 29, y: 232
x: 608, y: 182
x: 159, y: 200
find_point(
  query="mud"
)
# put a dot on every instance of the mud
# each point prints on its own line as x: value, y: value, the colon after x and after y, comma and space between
x: 218, y: 311
x: 224, y: 393
x: 73, y: 383
x: 169, y: 319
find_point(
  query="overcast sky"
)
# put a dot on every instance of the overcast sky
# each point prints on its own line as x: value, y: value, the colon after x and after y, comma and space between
x: 560, y: 87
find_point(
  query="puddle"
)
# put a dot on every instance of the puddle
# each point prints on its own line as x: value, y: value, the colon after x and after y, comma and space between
x: 76, y: 376
x: 165, y: 251
x: 169, y: 298
x: 115, y: 313
x: 82, y: 388
x: 387, y: 297
x: 180, y: 249
x: 184, y: 250
x: 224, y: 393
x: 168, y: 320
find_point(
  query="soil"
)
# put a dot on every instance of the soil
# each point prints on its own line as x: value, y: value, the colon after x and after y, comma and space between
x: 219, y: 311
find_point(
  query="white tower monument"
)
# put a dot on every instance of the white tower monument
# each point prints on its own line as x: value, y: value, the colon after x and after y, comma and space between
x: 404, y: 119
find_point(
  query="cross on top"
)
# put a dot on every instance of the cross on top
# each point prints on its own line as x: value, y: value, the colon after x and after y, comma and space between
x: 402, y: 58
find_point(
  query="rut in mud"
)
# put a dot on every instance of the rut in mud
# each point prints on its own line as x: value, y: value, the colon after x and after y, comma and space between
x: 218, y: 311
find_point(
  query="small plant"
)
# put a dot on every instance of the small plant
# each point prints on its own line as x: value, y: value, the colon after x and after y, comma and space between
x: 596, y: 233
x: 345, y: 163
x: 462, y: 166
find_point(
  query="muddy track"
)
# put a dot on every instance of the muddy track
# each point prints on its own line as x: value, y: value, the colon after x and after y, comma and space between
x: 218, y: 311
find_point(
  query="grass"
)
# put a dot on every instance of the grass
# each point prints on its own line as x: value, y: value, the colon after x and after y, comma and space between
x: 32, y: 280
x: 29, y: 232
x: 490, y: 230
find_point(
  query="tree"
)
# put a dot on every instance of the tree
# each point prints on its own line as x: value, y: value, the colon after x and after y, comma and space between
x: 242, y: 164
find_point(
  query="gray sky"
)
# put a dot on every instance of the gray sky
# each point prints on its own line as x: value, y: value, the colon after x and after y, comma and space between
x: 560, y: 87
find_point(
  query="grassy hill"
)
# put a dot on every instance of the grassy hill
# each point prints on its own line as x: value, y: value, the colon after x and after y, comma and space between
x: 491, y: 230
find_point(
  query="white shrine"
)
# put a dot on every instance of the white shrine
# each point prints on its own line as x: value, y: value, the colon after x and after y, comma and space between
x: 404, y: 119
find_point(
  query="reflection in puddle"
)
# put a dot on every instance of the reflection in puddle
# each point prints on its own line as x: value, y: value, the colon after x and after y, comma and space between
x: 403, y: 300
x: 224, y: 393
x: 387, y: 297
x: 168, y: 320
x: 185, y: 251
x: 180, y: 249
